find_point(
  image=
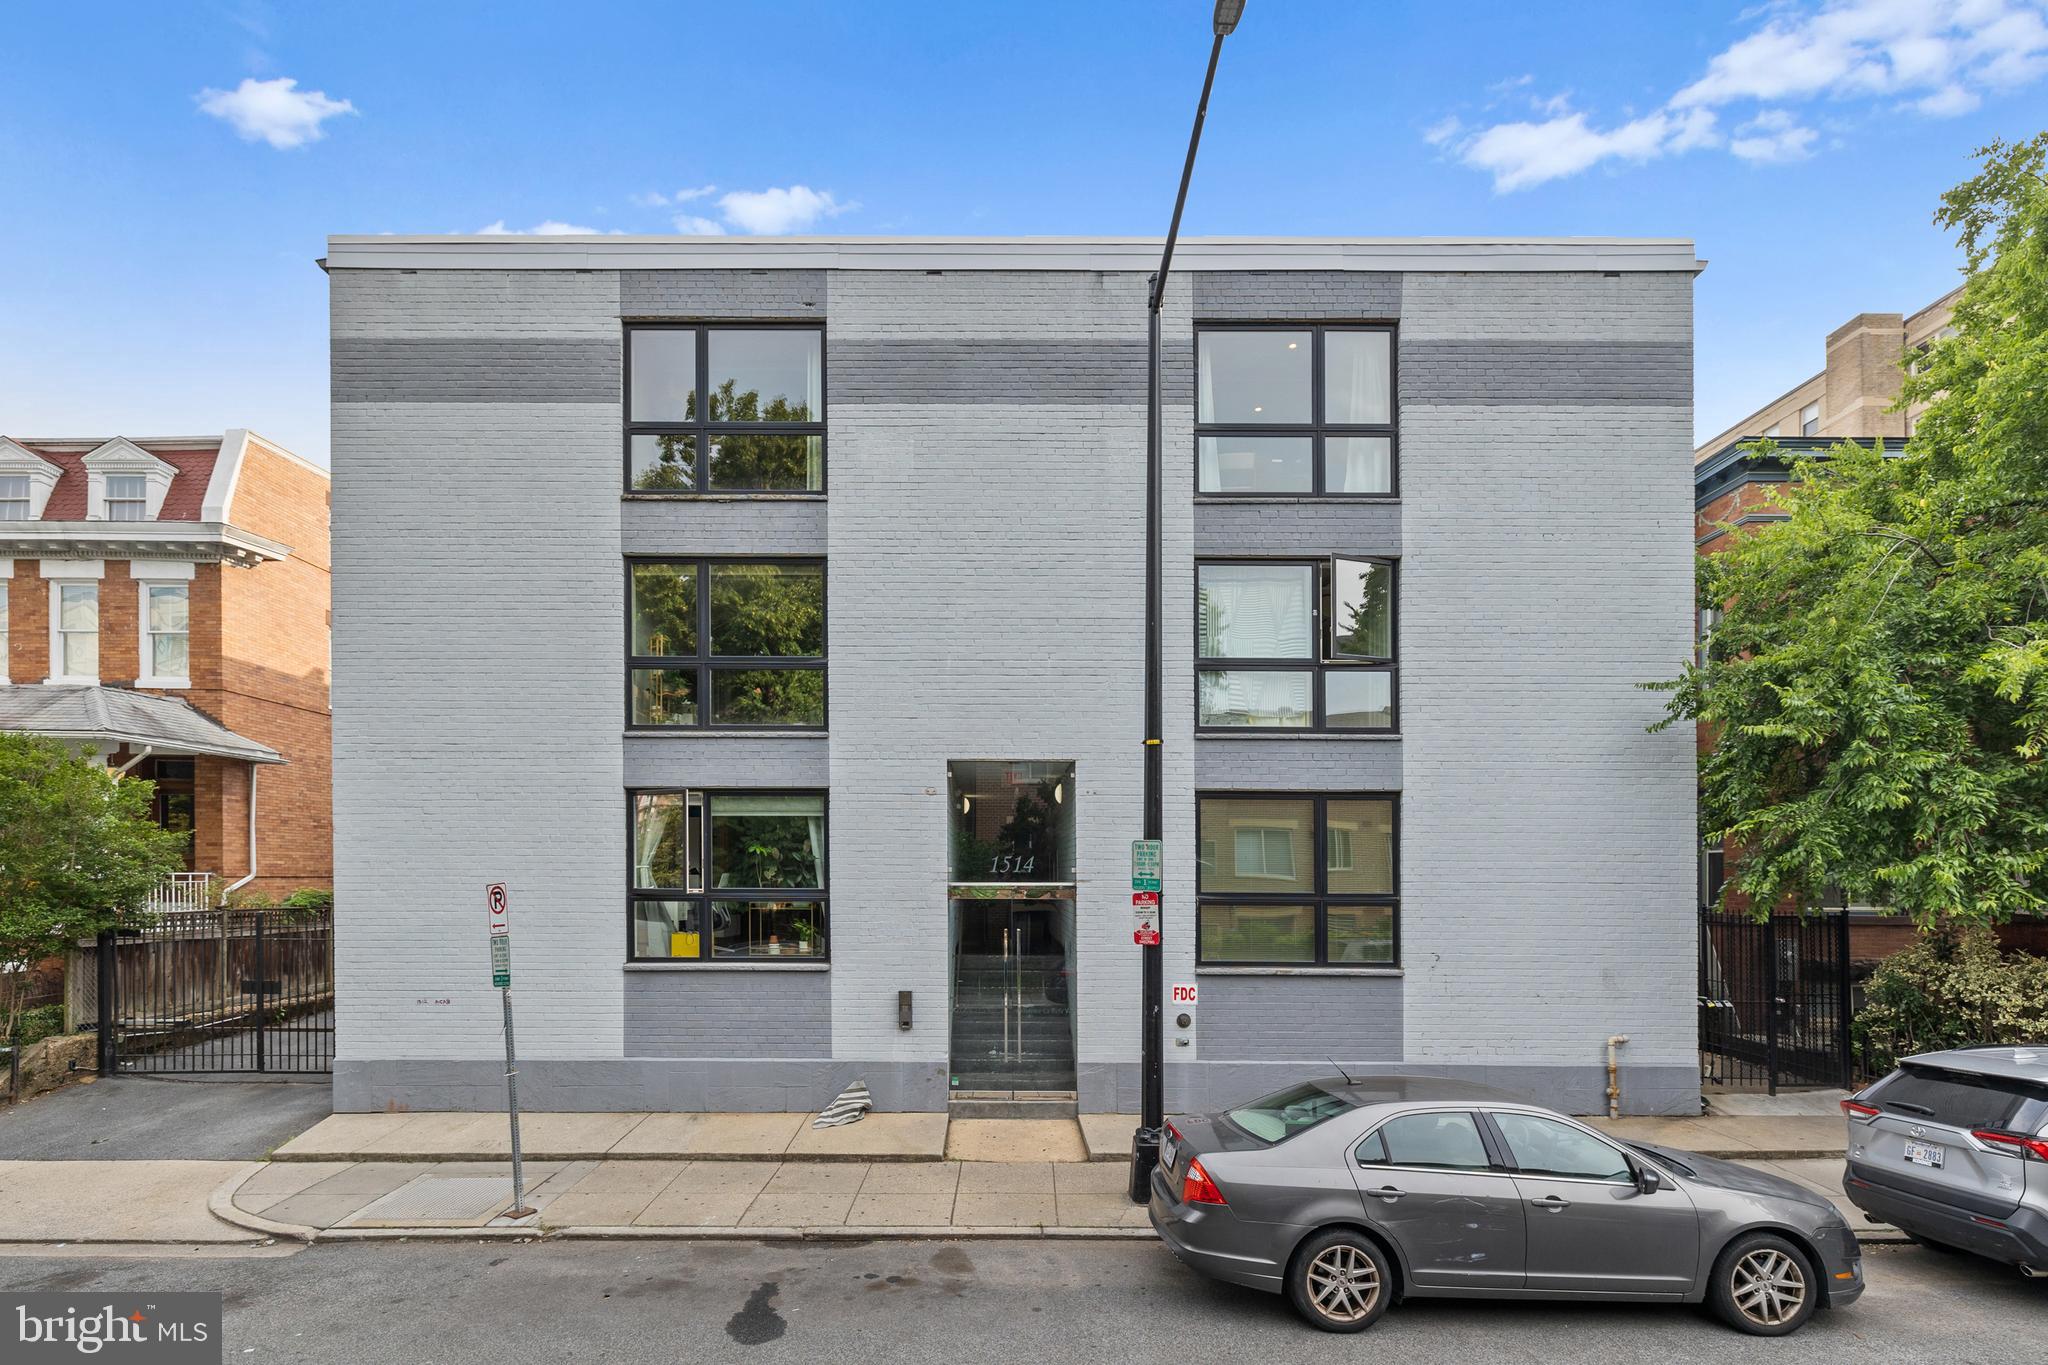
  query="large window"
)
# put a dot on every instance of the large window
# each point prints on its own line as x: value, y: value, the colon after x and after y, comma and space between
x: 1295, y: 410
x: 726, y: 876
x: 167, y: 631
x: 1295, y: 644
x: 1297, y: 881
x: 75, y: 643
x: 725, y: 409
x: 726, y: 643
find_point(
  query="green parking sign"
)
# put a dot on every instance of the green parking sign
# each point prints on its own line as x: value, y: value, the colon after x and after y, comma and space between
x: 501, y: 961
x: 1145, y: 860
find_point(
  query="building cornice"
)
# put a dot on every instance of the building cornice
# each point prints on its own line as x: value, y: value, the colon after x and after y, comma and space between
x: 619, y: 252
x: 1734, y: 465
x: 204, y: 542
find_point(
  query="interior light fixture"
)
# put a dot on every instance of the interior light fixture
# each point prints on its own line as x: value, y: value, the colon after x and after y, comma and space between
x: 1292, y: 344
x: 1059, y: 793
x: 1257, y: 408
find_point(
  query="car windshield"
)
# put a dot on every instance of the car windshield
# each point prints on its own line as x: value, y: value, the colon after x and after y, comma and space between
x: 1284, y: 1113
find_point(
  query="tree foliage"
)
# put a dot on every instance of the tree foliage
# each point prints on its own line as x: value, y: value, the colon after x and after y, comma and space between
x: 1877, y: 685
x: 1952, y: 989
x: 78, y: 854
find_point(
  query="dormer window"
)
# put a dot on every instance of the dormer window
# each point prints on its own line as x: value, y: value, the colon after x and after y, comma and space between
x: 14, y: 498
x: 127, y: 497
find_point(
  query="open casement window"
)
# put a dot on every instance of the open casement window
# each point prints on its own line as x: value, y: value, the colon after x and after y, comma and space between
x: 1293, y: 410
x: 1295, y: 644
x: 736, y: 644
x: 725, y: 409
x: 1304, y: 880
x: 726, y: 876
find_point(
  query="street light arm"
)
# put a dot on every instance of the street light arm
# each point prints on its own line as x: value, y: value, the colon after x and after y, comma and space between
x: 1187, y: 172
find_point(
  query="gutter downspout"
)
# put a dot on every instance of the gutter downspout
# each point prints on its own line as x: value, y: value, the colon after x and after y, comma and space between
x: 235, y: 886
x: 147, y: 750
x: 1613, y: 1075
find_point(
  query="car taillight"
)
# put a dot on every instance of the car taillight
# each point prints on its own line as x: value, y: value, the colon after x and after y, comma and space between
x: 1857, y: 1109
x: 2026, y: 1148
x: 1174, y: 1133
x: 1197, y: 1188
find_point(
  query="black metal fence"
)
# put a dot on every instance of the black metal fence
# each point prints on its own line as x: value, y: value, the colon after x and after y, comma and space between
x: 1775, y: 1001
x: 219, y: 990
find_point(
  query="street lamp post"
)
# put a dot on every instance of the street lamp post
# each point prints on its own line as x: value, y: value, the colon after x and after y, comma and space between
x: 1152, y: 1118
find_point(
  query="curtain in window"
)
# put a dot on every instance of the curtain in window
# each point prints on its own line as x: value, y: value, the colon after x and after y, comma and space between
x: 653, y: 819
x: 1256, y: 611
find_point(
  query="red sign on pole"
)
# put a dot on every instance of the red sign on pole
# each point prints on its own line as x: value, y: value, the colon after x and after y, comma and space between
x: 1145, y: 898
x: 1146, y: 936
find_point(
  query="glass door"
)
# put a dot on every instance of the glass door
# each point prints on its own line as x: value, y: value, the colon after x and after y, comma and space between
x: 1013, y: 995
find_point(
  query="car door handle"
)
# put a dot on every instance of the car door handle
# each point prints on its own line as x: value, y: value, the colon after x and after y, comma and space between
x: 1551, y: 1203
x: 1387, y: 1192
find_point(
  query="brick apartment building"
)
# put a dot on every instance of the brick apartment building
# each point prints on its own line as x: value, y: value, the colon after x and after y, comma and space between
x: 785, y: 659
x: 1854, y: 398
x: 164, y: 603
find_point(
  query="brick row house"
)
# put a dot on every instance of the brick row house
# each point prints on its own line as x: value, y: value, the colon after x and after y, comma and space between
x: 164, y: 604
x: 1854, y: 397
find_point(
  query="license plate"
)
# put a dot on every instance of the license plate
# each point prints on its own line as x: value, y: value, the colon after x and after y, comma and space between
x: 1920, y: 1154
x: 1167, y: 1152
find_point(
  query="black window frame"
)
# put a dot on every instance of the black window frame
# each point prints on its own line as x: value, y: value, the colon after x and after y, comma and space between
x: 1321, y: 895
x: 1315, y: 428
x: 705, y: 895
x: 707, y: 665
x: 703, y: 429
x: 1320, y: 663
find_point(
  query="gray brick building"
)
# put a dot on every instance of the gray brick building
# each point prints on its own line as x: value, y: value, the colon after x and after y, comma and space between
x: 768, y: 614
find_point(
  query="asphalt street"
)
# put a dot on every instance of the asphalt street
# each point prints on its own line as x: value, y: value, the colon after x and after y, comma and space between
x: 908, y: 1302
x: 135, y: 1118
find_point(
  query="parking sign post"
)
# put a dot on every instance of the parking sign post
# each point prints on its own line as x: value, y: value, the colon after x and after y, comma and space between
x: 497, y: 904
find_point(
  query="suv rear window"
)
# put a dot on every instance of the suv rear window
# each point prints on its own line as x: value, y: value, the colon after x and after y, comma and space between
x: 1284, y: 1113
x: 1955, y: 1098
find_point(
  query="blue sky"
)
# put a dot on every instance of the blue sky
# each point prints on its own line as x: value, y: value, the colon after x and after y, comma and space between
x: 175, y: 168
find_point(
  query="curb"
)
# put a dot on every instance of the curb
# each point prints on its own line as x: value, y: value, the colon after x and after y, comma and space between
x: 221, y: 1204
x: 423, y: 1158
x: 731, y: 1234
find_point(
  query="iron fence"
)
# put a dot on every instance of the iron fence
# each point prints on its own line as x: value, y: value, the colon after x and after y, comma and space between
x: 1775, y: 1001
x: 218, y: 991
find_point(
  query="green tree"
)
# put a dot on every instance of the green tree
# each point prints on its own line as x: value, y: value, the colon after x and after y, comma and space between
x: 1877, y: 685
x: 78, y: 854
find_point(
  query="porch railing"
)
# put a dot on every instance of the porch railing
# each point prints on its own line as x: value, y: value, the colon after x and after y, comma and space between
x: 182, y: 891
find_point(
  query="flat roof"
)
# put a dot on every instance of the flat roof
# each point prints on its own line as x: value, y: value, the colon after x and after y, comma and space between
x: 619, y: 252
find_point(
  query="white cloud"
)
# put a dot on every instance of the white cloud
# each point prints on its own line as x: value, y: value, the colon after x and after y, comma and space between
x: 1934, y: 55
x: 547, y: 227
x: 274, y: 111
x: 774, y: 211
x: 655, y: 199
x: 1773, y: 135
x: 1443, y: 130
x: 691, y: 225
x: 1520, y: 155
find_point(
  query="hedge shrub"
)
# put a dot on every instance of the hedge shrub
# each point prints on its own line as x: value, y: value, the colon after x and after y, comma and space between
x: 1953, y: 988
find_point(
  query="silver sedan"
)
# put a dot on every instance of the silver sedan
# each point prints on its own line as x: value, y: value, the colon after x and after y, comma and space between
x: 1351, y: 1195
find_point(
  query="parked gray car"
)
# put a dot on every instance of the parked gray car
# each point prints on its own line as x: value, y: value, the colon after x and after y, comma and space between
x: 1352, y: 1195
x: 1952, y: 1149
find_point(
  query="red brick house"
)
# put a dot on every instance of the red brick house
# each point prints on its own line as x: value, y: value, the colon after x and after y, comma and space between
x: 164, y: 603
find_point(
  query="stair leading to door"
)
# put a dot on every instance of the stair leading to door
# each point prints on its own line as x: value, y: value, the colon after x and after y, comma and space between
x: 1013, y: 1104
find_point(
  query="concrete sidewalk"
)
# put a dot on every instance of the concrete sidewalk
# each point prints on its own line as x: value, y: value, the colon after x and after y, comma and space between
x: 157, y: 1202
x: 327, y: 1201
x: 902, y: 1137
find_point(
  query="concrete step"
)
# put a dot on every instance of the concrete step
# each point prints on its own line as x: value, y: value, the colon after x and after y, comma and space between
x: 999, y: 1104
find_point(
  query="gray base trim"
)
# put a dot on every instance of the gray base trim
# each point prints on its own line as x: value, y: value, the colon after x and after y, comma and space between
x: 637, y: 1084
x: 804, y: 1085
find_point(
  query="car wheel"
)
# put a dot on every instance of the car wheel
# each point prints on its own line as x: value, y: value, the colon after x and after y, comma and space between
x: 1765, y: 1286
x: 1340, y: 1281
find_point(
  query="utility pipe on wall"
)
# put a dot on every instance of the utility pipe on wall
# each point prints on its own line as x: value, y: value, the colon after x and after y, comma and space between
x: 1614, y: 1076
x: 234, y: 887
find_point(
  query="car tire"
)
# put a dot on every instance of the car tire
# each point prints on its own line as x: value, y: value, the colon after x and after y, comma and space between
x: 1340, y: 1281
x: 1765, y: 1286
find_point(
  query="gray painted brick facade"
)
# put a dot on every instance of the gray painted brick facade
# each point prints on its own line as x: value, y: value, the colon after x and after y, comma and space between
x: 983, y: 529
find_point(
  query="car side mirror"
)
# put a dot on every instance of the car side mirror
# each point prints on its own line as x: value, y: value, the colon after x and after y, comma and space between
x: 1647, y: 1181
